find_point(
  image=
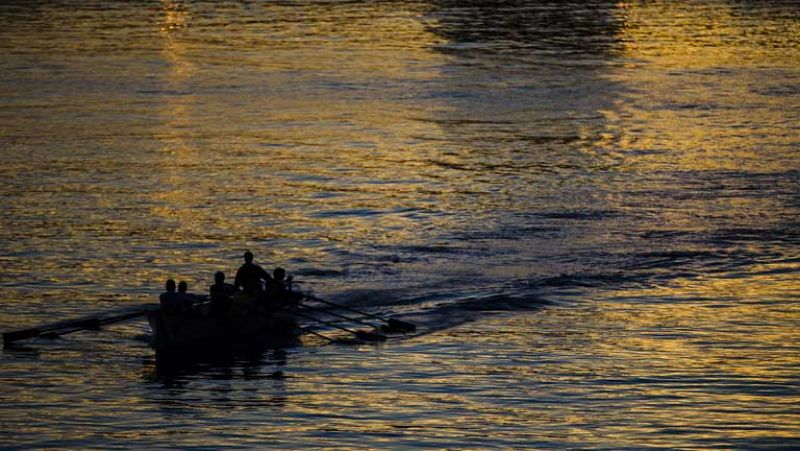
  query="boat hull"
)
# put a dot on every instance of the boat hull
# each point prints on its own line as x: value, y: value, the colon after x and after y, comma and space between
x: 173, y: 331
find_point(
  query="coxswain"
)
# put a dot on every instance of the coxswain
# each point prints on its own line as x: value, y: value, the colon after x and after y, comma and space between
x: 249, y: 276
x: 169, y: 299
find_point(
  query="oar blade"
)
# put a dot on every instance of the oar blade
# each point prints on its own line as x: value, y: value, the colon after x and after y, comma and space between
x: 10, y: 337
x: 349, y: 341
x: 396, y: 325
x: 369, y: 336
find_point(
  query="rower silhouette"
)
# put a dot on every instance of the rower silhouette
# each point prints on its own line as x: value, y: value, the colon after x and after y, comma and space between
x: 187, y: 301
x: 169, y: 299
x: 279, y: 289
x: 250, y: 276
x: 220, y: 294
x: 276, y: 287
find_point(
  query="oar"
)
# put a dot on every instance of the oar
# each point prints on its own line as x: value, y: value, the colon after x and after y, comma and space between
x: 97, y: 323
x: 309, y: 331
x: 393, y: 324
x: 328, y: 312
x: 66, y: 327
x: 360, y: 334
x: 305, y: 329
x: 22, y: 334
x: 329, y: 339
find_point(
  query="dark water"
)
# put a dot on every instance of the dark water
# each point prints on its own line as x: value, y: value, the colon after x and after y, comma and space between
x: 590, y: 208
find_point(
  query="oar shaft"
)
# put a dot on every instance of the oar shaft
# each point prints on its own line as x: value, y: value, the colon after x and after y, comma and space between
x: 67, y: 327
x: 16, y: 335
x: 309, y: 331
x: 327, y: 323
x: 359, y: 334
x: 328, y: 312
x: 124, y: 316
x: 393, y: 324
x: 306, y: 329
x: 344, y: 307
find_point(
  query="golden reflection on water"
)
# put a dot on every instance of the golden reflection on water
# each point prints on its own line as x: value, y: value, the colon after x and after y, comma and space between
x: 315, y: 138
x: 689, y: 36
x: 178, y: 105
x: 693, y: 120
x: 297, y: 141
x: 727, y: 326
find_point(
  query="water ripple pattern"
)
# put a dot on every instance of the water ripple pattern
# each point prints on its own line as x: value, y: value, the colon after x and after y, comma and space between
x: 589, y: 208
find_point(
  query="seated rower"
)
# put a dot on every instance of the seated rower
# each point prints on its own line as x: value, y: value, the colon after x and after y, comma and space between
x: 169, y: 299
x: 279, y: 290
x: 221, y: 294
x: 250, y: 276
x: 188, y: 302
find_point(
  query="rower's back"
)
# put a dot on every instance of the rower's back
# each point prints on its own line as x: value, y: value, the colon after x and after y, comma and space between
x: 279, y: 293
x: 250, y: 275
x: 169, y: 299
x: 220, y: 294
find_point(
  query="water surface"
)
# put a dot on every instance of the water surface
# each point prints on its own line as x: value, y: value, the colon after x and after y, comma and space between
x: 590, y: 209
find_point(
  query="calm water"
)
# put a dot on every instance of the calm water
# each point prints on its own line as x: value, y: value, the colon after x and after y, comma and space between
x: 590, y: 208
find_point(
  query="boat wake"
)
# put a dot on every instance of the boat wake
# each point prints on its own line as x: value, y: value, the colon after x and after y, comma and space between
x: 435, y: 312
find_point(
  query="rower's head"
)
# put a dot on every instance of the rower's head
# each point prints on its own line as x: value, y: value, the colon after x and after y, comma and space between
x: 170, y: 285
x: 182, y: 287
x: 248, y: 257
x: 219, y: 277
x: 279, y: 273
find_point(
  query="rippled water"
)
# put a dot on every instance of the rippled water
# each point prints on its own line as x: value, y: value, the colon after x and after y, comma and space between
x: 590, y: 208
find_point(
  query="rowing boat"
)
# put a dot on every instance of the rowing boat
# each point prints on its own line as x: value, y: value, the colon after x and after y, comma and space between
x: 181, y: 330
x: 241, y: 324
